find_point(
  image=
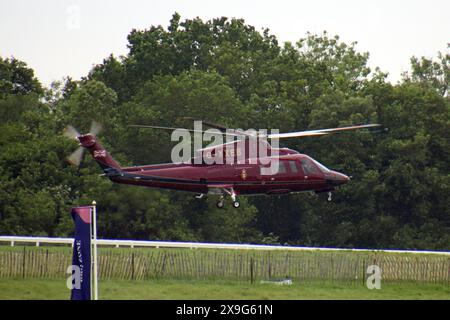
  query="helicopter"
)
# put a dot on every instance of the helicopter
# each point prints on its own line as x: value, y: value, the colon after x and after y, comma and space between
x: 245, y: 174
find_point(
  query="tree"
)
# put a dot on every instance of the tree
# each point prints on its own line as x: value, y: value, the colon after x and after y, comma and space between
x: 435, y: 74
x: 225, y: 71
x: 17, y: 78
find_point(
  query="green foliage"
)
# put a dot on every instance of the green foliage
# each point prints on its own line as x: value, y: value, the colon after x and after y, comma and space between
x: 225, y: 71
x: 17, y: 78
x: 433, y: 74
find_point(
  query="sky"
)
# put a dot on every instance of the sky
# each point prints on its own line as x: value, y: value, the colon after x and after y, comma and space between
x: 59, y: 38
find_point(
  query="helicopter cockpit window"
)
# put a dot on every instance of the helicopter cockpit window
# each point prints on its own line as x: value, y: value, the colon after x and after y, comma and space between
x: 321, y: 166
x: 309, y: 167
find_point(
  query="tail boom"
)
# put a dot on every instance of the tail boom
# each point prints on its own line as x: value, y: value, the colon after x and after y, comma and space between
x: 100, y: 155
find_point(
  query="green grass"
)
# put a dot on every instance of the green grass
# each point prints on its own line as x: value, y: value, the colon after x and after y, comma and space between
x: 182, y: 274
x: 180, y: 289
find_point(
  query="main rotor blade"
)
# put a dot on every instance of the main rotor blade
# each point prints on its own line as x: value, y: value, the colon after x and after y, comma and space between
x: 76, y: 156
x: 209, y: 124
x: 319, y: 132
x: 221, y: 127
x: 95, y: 128
x: 70, y: 132
x: 190, y: 130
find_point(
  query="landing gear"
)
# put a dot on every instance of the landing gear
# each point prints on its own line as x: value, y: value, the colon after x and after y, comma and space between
x: 236, y: 203
x: 329, y: 196
x: 220, y: 204
x: 228, y: 191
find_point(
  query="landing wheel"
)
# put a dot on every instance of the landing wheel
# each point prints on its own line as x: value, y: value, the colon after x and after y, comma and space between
x: 236, y: 204
x: 329, y: 196
x: 220, y: 204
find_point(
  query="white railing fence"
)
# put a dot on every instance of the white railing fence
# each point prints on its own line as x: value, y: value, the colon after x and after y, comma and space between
x: 37, y: 241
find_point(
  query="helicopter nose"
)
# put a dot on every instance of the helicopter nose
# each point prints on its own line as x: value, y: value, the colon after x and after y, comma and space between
x: 337, y: 179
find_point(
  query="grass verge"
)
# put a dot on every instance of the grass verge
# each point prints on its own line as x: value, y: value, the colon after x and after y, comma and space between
x: 25, y: 289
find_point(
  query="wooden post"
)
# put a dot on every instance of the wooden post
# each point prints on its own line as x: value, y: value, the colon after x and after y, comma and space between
x: 364, y: 272
x: 132, y: 266
x: 251, y: 270
x: 23, y: 262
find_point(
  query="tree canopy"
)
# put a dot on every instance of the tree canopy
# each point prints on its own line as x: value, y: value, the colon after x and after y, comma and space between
x: 226, y: 71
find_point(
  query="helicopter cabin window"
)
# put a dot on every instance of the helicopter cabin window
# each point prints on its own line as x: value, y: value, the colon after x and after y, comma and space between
x: 281, y: 167
x: 293, y: 166
x: 309, y: 167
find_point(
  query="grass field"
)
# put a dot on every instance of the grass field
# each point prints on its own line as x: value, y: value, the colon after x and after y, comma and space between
x: 29, y: 272
x: 20, y: 289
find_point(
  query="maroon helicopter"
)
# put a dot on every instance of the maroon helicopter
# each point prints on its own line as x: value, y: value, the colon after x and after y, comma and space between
x: 295, y: 172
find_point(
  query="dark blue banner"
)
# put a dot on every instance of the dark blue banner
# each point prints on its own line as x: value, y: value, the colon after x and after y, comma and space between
x: 81, y: 261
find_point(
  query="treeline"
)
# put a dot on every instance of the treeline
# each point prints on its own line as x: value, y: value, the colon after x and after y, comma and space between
x: 227, y: 72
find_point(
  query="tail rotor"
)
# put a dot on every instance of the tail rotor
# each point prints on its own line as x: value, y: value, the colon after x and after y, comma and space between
x: 70, y: 132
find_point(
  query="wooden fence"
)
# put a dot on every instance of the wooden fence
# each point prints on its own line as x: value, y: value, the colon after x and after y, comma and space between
x: 240, y: 265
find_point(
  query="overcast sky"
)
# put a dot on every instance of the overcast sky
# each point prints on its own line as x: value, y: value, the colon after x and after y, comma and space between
x: 60, y: 38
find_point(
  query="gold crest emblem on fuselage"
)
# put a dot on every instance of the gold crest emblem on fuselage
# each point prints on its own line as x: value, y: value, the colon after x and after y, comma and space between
x: 244, y: 174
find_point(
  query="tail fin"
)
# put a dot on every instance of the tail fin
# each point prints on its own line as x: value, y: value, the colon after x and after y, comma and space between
x: 97, y: 151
